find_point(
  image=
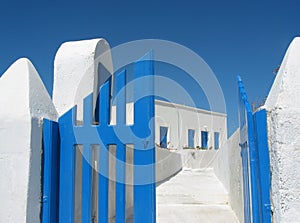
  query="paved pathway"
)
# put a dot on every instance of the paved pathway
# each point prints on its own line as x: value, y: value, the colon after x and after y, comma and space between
x: 192, y: 197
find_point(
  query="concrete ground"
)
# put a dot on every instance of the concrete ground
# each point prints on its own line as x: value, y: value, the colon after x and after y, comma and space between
x: 193, y: 196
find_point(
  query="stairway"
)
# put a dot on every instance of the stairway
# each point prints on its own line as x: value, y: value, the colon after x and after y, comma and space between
x: 193, y: 196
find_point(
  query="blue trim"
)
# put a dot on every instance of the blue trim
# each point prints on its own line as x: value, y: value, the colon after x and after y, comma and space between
x: 50, y: 168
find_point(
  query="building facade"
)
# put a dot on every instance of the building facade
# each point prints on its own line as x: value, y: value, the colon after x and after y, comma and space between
x: 181, y: 127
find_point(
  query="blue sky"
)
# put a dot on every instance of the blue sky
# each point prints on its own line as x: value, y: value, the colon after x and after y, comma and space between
x: 233, y: 37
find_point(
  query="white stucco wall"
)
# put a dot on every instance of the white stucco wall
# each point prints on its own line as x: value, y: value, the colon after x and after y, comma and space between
x: 180, y: 118
x: 283, y: 106
x: 198, y: 159
x: 80, y: 67
x: 226, y: 164
x: 168, y: 163
x: 24, y: 102
x: 231, y: 173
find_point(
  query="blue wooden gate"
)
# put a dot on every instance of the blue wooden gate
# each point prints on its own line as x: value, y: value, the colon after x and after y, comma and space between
x: 61, y: 140
x: 255, y: 161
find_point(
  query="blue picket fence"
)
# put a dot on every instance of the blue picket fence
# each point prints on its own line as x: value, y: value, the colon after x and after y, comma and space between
x: 61, y: 139
x: 255, y: 161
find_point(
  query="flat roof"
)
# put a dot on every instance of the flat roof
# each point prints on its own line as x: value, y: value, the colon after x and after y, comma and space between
x: 189, y: 108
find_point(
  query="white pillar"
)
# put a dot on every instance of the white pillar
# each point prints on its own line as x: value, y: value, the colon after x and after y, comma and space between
x: 283, y: 106
x: 23, y: 101
x: 80, y: 68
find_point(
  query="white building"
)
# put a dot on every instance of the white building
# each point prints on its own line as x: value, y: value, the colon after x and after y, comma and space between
x: 180, y: 126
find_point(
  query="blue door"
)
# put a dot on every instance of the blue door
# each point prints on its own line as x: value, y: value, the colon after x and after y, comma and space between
x: 216, y: 138
x: 163, y: 132
x: 204, y: 139
x: 191, y: 136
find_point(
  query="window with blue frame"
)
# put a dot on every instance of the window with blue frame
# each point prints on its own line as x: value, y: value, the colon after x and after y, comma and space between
x: 191, y: 137
x: 163, y: 133
x: 216, y: 139
x: 204, y: 139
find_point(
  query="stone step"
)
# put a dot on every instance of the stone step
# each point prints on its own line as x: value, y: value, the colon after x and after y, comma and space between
x: 193, y: 196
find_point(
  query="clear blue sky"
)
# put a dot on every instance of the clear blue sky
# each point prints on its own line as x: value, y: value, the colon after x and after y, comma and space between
x: 234, y: 37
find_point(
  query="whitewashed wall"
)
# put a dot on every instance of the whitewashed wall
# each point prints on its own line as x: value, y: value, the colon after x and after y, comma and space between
x: 24, y: 102
x: 80, y: 67
x: 283, y: 106
x: 228, y: 168
x: 180, y: 118
x: 168, y: 163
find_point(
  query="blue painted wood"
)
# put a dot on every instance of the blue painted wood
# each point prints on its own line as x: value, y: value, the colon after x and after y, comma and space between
x: 255, y: 161
x: 50, y: 171
x: 120, y: 98
x: 144, y: 150
x: 120, y: 149
x: 87, y: 163
x: 67, y: 167
x: 104, y: 115
x: 245, y: 155
x: 245, y: 110
x: 260, y: 118
x: 253, y: 169
x: 104, y: 111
